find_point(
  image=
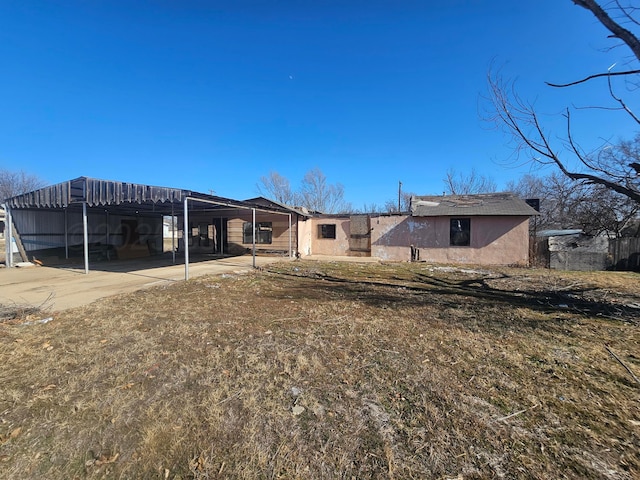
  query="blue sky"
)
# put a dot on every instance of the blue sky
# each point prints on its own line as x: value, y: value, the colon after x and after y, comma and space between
x: 210, y: 95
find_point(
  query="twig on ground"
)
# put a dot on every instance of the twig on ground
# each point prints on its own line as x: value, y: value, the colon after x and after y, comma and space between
x: 519, y: 412
x: 622, y: 363
x: 230, y: 397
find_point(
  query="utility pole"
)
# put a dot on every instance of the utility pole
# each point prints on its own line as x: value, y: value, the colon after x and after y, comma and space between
x: 399, y: 195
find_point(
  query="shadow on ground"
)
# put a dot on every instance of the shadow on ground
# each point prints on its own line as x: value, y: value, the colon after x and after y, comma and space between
x: 452, y: 291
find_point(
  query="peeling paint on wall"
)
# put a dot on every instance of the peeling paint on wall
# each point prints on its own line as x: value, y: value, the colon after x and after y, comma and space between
x: 495, y: 240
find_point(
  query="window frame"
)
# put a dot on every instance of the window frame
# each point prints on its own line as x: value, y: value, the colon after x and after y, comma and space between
x: 264, y: 233
x: 461, y: 236
x: 327, y: 231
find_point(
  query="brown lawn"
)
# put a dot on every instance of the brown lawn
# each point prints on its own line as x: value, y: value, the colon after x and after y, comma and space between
x: 330, y: 370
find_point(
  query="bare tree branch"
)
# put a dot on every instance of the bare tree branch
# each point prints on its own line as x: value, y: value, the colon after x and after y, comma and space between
x: 614, y: 27
x: 459, y: 184
x: 611, y: 167
x: 621, y: 102
x: 625, y: 12
x: 591, y: 77
x: 16, y: 183
x: 276, y: 187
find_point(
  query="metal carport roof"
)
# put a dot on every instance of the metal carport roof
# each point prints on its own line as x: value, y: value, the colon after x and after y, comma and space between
x: 122, y: 197
x: 126, y: 198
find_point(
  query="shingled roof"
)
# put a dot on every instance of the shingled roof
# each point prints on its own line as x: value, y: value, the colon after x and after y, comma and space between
x: 487, y: 204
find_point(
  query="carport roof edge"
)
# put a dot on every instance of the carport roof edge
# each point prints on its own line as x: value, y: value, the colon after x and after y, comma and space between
x: 109, y: 193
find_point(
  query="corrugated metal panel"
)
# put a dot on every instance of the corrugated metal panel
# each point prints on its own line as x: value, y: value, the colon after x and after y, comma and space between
x: 102, y: 192
x: 46, y: 229
x: 50, y: 197
x: 96, y: 193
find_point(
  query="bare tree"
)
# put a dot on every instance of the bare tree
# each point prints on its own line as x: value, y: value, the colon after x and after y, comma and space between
x: 560, y: 199
x: 391, y: 206
x: 459, y: 184
x: 315, y: 193
x: 520, y: 119
x: 276, y: 187
x: 606, y: 213
x: 527, y: 186
x: 566, y: 204
x: 369, y: 208
x: 320, y: 196
x: 15, y: 183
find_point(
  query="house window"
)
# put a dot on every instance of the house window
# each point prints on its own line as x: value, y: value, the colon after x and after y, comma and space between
x: 327, y: 230
x: 460, y: 232
x: 264, y: 231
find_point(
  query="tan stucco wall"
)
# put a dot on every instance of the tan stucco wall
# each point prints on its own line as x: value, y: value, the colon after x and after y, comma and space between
x: 305, y: 229
x: 499, y: 240
x: 310, y: 244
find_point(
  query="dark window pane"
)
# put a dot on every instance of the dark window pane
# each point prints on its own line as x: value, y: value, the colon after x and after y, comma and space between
x: 460, y: 232
x: 264, y: 233
x: 247, y: 232
x: 327, y: 230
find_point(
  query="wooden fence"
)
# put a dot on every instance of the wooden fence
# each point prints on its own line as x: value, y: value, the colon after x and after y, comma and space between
x: 625, y: 253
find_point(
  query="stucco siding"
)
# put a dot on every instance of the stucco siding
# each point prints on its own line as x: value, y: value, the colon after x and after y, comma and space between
x: 305, y: 229
x: 313, y: 244
x: 494, y: 240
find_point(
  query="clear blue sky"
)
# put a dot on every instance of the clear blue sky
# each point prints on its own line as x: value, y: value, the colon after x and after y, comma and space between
x: 212, y: 95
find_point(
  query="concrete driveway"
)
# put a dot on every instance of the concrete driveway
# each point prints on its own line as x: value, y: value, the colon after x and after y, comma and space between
x: 62, y: 287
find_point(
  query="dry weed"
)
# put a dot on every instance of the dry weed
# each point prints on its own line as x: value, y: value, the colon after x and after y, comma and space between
x: 329, y: 370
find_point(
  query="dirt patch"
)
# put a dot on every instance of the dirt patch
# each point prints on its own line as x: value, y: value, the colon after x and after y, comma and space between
x: 323, y: 370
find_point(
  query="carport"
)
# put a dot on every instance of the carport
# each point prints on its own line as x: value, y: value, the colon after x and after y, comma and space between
x: 93, y: 213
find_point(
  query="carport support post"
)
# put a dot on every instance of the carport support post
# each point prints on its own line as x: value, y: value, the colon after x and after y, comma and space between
x: 173, y: 235
x: 107, y: 233
x: 290, y: 250
x: 8, y: 246
x: 85, y: 233
x: 253, y: 210
x: 66, y: 235
x: 185, y: 238
x: 221, y: 237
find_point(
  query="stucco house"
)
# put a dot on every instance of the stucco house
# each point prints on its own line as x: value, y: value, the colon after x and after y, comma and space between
x: 103, y: 219
x: 490, y: 229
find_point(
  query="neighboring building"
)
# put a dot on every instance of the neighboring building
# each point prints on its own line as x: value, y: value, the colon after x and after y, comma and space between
x: 573, y: 250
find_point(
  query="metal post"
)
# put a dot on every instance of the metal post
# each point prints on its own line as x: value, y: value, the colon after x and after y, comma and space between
x: 185, y: 238
x: 107, y: 235
x: 290, y: 249
x: 66, y: 235
x: 221, y: 236
x: 85, y: 232
x: 253, y: 210
x: 8, y: 237
x: 173, y: 235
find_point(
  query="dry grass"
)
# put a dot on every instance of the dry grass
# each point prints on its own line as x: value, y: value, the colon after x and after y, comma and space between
x: 401, y: 371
